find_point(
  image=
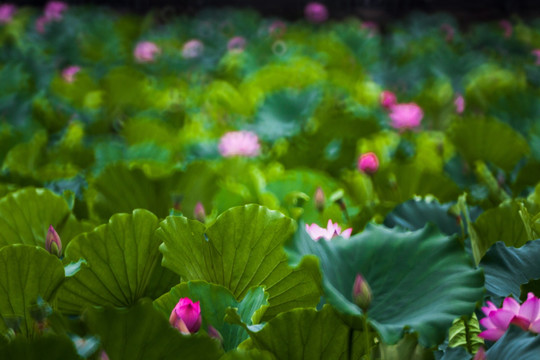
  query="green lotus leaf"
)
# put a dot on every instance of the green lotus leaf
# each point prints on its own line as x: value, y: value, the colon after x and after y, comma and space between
x: 252, y: 354
x: 307, y: 334
x: 515, y: 344
x: 214, y: 301
x: 464, y: 332
x: 141, y: 332
x: 242, y: 249
x: 121, y: 259
x: 47, y: 347
x: 27, y: 273
x: 406, y: 349
x: 420, y: 280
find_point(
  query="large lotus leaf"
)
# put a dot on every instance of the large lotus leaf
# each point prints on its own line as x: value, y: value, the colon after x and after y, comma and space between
x: 307, y: 334
x: 488, y: 140
x: 420, y: 280
x: 119, y: 189
x: 242, y: 249
x: 458, y: 353
x: 198, y: 183
x: 214, y: 301
x: 415, y: 214
x: 502, y: 223
x: 515, y: 344
x: 406, y: 349
x: 121, y: 257
x: 141, y: 332
x: 252, y: 354
x: 47, y: 347
x: 507, y: 268
x: 27, y: 273
x: 25, y: 216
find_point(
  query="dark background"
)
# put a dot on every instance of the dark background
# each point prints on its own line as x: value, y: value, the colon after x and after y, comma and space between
x: 368, y: 9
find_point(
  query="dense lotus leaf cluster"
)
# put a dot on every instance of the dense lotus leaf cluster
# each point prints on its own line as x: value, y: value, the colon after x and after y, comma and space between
x: 165, y: 179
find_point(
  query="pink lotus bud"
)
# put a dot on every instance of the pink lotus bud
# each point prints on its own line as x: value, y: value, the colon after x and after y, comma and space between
x: 69, y: 73
x: 368, y: 163
x: 449, y: 30
x: 277, y: 28
x: 53, y: 244
x: 507, y: 27
x: 536, y: 52
x: 199, y: 213
x: 239, y: 143
x: 236, y: 44
x: 214, y: 334
x: 480, y: 354
x: 316, y: 12
x: 186, y: 316
x: 388, y: 99
x: 370, y: 26
x: 319, y: 199
x: 406, y: 116
x: 146, y: 52
x: 54, y: 10
x: 40, y: 24
x: 6, y: 13
x: 192, y: 49
x: 460, y: 104
x: 361, y: 293
x: 103, y: 355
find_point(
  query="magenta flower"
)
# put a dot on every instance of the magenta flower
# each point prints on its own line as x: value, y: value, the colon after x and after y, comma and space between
x: 239, y: 143
x: 53, y: 244
x: 54, y: 10
x: 316, y: 12
x: 146, y: 52
x: 69, y: 73
x: 6, y: 13
x: 496, y: 322
x: 186, y: 316
x: 406, y: 116
x: 237, y: 44
x: 459, y: 102
x: 316, y: 232
x: 536, y: 52
x: 192, y: 49
x: 277, y: 28
x: 388, y: 99
x: 368, y: 163
x: 507, y: 27
x: 480, y: 354
x: 361, y: 293
x: 199, y: 213
x: 449, y: 30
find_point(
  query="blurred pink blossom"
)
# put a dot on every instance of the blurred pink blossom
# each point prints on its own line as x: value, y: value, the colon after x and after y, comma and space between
x: 368, y: 163
x: 388, y: 99
x: 237, y: 44
x: 69, y: 73
x: 459, y: 102
x: 406, y: 116
x: 54, y: 10
x: 186, y: 316
x: 536, y: 52
x: 241, y: 143
x: 316, y: 12
x: 277, y: 28
x: 146, y: 51
x: 480, y: 354
x: 6, y: 13
x: 316, y: 232
x: 40, y: 24
x: 449, y: 30
x: 507, y: 27
x: 192, y: 49
x: 370, y: 26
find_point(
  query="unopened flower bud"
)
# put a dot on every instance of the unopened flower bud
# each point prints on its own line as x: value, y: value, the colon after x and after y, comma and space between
x: 53, y: 244
x: 319, y: 199
x: 361, y: 293
x: 368, y: 163
x: 186, y: 316
x: 103, y: 355
x: 199, y: 213
x: 214, y: 334
x: 480, y: 354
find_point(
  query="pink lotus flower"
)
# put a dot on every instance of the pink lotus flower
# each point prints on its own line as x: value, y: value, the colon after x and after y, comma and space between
x: 277, y: 28
x: 361, y: 292
x: 192, y: 49
x: 54, y: 10
x: 40, y: 24
x: 146, y: 52
x: 368, y: 163
x: 316, y: 12
x: 480, y: 354
x: 316, y: 232
x: 536, y: 52
x: 6, y: 13
x: 53, y: 244
x: 406, y: 116
x: 199, y: 213
x: 449, y: 30
x: 186, y: 316
x: 69, y: 73
x: 496, y: 322
x: 241, y: 143
x: 459, y: 102
x: 507, y: 27
x: 388, y: 99
x: 237, y: 44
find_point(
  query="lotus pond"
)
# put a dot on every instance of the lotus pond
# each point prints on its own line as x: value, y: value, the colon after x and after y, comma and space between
x: 228, y: 186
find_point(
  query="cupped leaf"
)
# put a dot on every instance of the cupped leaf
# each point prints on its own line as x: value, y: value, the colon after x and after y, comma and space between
x: 121, y: 259
x: 515, y: 344
x: 420, y: 280
x: 47, y: 347
x: 141, y: 332
x: 507, y: 268
x: 214, y: 301
x: 464, y: 332
x: 26, y: 214
x: 241, y: 250
x: 27, y: 273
